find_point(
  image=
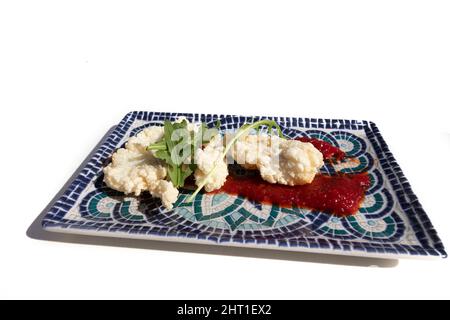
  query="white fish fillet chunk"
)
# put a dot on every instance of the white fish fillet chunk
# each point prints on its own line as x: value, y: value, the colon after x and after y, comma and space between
x: 206, y: 159
x: 288, y: 162
x: 133, y: 169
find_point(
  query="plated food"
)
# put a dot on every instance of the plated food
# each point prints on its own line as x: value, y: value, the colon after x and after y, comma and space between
x: 284, y: 183
x: 161, y: 160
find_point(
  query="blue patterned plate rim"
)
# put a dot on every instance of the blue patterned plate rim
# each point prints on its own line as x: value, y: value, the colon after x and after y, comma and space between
x: 393, y: 224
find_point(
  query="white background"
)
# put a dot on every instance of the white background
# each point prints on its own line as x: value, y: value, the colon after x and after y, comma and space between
x: 69, y: 70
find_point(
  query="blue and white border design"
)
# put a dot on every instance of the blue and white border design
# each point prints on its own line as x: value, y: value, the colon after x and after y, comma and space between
x: 291, y: 234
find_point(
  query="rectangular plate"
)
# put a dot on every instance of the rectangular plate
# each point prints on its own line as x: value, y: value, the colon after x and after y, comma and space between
x: 391, y: 222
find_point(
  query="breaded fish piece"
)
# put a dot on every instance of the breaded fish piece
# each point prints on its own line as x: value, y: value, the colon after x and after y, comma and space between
x: 133, y: 169
x: 288, y: 162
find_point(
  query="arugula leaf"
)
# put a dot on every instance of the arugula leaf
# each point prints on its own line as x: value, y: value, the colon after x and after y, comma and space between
x: 161, y: 145
x: 186, y: 172
x: 168, y: 130
x: 163, y: 155
x: 173, y: 172
x: 173, y: 143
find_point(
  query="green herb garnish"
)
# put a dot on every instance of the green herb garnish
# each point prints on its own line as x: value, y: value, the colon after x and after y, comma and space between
x: 177, y: 148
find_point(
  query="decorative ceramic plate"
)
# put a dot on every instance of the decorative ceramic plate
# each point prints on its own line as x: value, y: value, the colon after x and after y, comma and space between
x: 390, y: 223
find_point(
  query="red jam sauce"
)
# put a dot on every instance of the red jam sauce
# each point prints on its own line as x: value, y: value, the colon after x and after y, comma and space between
x: 328, y: 151
x: 340, y: 195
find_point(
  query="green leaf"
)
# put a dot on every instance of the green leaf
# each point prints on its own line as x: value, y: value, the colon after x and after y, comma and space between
x: 173, y: 175
x: 167, y: 149
x: 168, y: 130
x: 163, y: 155
x: 161, y: 145
x: 186, y: 172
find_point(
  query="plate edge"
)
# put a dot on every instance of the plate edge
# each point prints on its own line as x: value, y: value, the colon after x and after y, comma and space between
x: 130, y: 117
